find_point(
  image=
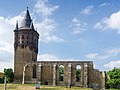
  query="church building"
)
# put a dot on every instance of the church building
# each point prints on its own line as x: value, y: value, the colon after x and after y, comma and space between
x: 28, y: 70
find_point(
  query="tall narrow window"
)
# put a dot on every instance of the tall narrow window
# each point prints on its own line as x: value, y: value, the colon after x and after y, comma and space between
x: 61, y: 73
x: 34, y: 71
x: 78, y: 73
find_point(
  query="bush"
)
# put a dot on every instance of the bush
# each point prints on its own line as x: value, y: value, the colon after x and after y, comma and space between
x: 114, y: 78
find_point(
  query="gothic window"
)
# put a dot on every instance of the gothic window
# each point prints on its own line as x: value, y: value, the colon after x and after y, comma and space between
x: 27, y: 37
x: 34, y: 71
x: 22, y: 41
x: 61, y: 73
x: 78, y: 73
x: 27, y: 41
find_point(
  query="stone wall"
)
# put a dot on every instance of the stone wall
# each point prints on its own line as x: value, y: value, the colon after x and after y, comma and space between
x: 23, y: 56
x: 48, y: 71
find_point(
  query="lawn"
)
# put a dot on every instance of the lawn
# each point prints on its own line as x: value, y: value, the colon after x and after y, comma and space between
x: 43, y: 87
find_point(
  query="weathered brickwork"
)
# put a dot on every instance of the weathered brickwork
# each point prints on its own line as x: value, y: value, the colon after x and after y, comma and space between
x: 47, y: 72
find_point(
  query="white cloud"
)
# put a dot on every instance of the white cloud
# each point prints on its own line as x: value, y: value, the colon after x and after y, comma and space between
x: 113, y: 64
x: 77, y: 26
x: 46, y: 28
x: 42, y: 7
x: 52, y: 57
x: 6, y: 47
x: 47, y: 57
x: 104, y: 4
x: 87, y: 10
x: 7, y: 64
x: 111, y: 22
x: 91, y: 55
x: 113, y: 52
x: 7, y: 25
x: 104, y: 55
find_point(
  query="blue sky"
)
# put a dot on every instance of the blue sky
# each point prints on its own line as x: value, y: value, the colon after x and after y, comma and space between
x: 69, y: 30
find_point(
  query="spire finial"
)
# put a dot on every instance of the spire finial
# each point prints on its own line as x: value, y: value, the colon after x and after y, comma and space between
x: 27, y: 8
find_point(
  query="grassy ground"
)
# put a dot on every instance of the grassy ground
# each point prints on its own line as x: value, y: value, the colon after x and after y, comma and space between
x: 32, y: 87
x: 43, y: 87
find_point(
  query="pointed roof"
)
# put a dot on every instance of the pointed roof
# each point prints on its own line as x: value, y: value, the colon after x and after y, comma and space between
x: 26, y: 20
x: 31, y: 26
x: 16, y: 28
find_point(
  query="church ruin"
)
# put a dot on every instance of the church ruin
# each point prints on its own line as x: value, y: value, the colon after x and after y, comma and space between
x: 27, y: 68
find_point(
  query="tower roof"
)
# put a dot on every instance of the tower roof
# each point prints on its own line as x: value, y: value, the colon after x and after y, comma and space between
x: 31, y: 26
x: 16, y: 28
x: 26, y: 20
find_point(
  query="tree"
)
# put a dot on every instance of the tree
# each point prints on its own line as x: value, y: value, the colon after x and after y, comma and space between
x: 61, y: 73
x: 114, y: 78
x: 78, y: 75
x: 9, y: 74
x: 1, y: 77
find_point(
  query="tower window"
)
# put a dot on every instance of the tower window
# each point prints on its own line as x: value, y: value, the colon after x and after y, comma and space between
x: 22, y: 36
x: 22, y: 41
x: 27, y: 37
x: 27, y: 41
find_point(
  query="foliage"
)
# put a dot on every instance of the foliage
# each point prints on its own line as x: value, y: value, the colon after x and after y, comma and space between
x: 114, y: 78
x: 1, y: 77
x: 61, y: 73
x: 78, y: 75
x: 9, y: 74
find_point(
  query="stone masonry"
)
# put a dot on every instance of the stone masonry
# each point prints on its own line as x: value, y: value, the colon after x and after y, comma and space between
x: 47, y: 72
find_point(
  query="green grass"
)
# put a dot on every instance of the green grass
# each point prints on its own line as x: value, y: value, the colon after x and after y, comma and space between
x: 43, y: 87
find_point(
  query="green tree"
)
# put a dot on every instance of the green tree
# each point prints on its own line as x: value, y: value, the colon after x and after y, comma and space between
x: 61, y: 73
x: 78, y: 75
x: 9, y: 74
x: 1, y: 77
x: 114, y: 78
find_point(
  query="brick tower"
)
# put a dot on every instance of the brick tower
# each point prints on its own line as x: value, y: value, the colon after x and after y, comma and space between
x: 25, y: 49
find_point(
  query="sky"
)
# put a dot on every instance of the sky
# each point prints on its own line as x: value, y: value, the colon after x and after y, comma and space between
x: 83, y: 30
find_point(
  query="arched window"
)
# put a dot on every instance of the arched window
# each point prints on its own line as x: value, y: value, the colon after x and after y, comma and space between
x: 78, y: 73
x: 34, y: 71
x: 61, y: 73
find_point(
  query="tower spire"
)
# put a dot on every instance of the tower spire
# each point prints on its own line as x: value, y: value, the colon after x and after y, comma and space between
x: 31, y: 25
x: 26, y: 20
